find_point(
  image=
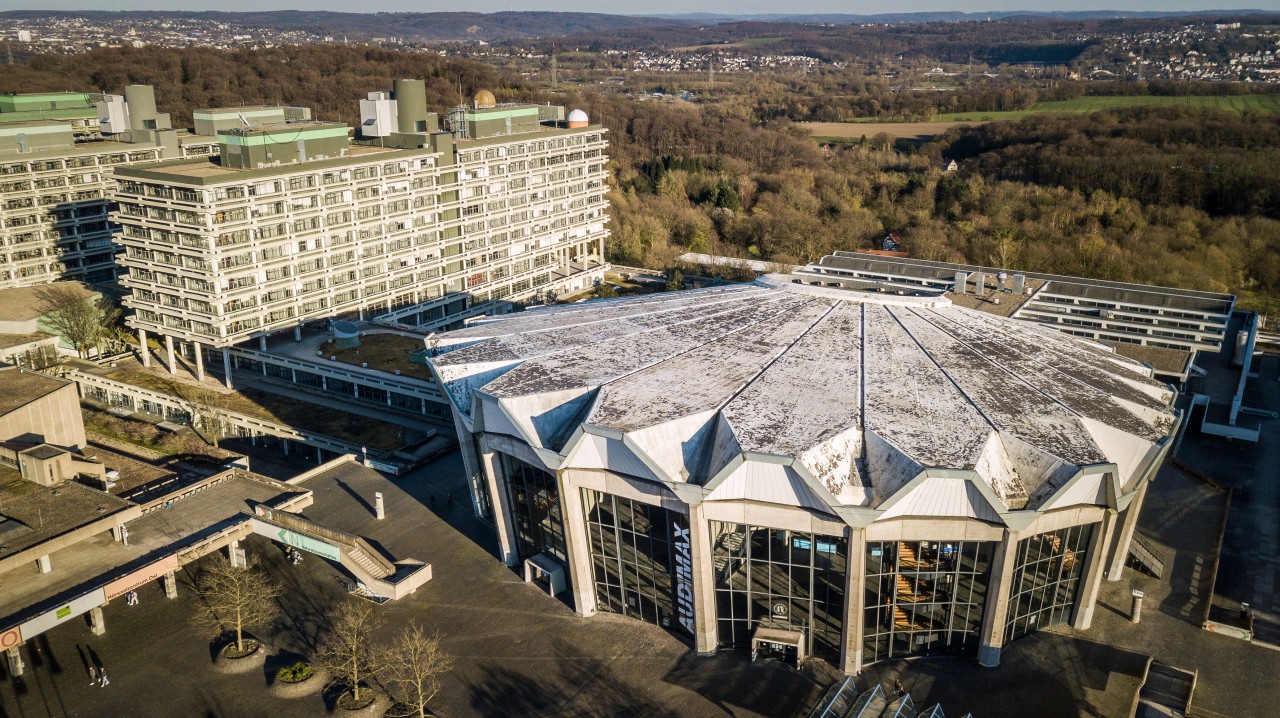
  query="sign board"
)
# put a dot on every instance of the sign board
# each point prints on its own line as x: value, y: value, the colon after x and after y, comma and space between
x: 75, y: 607
x: 10, y: 638
x: 296, y: 540
x: 147, y: 573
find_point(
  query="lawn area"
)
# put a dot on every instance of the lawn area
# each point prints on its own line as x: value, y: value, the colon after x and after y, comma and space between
x: 831, y: 131
x: 354, y: 428
x: 384, y: 352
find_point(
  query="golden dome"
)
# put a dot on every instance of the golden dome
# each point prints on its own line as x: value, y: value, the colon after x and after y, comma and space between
x: 484, y: 98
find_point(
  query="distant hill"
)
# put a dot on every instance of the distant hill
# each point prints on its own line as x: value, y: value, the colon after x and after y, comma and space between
x: 411, y: 27
x: 949, y: 16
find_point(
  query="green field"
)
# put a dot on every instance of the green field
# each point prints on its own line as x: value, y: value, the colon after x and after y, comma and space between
x: 1266, y: 104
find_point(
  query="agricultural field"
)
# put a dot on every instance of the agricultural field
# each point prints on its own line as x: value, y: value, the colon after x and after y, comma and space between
x: 845, y: 132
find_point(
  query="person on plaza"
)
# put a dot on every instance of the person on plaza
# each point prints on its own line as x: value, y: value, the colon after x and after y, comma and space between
x: 131, y: 598
x: 93, y: 675
x: 103, y: 680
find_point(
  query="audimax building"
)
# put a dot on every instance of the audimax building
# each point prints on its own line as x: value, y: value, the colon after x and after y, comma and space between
x: 808, y: 464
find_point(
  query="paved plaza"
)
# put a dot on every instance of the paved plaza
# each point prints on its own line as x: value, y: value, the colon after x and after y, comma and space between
x: 519, y: 652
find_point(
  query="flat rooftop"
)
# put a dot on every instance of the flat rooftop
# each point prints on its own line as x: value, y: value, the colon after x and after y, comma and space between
x: 162, y: 530
x: 1165, y: 361
x: 23, y: 387
x: 132, y: 472
x: 22, y: 304
x: 1096, y: 289
x: 17, y: 340
x: 210, y: 170
x: 46, y: 512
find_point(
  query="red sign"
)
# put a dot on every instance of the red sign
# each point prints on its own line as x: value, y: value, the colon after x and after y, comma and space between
x: 10, y: 638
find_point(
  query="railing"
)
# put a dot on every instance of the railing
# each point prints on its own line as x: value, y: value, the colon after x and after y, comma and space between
x: 1146, y: 555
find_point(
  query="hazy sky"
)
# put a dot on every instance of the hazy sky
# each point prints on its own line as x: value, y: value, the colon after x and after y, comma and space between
x: 632, y: 7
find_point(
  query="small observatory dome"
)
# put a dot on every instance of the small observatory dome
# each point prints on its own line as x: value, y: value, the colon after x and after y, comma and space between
x: 484, y: 98
x: 577, y: 118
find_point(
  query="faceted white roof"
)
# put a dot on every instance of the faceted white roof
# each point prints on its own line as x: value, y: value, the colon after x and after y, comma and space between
x: 817, y: 397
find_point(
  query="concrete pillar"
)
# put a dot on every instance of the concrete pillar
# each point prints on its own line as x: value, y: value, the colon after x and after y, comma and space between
x: 470, y: 464
x: 43, y: 564
x: 168, y: 351
x: 14, y: 658
x: 199, y: 352
x: 577, y: 545
x: 143, y: 348
x: 998, y: 592
x: 360, y: 313
x: 1130, y: 523
x: 1095, y: 564
x: 234, y: 553
x: 97, y: 623
x: 226, y: 366
x: 854, y: 597
x: 503, y: 521
x: 379, y: 508
x: 423, y: 403
x: 293, y: 374
x: 703, y: 580
x: 319, y: 455
x: 1135, y: 614
x: 262, y: 342
x: 285, y: 443
x: 297, y: 333
x: 170, y: 583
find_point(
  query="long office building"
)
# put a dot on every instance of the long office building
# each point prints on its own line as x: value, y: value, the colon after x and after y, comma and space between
x: 293, y: 221
x: 57, y: 155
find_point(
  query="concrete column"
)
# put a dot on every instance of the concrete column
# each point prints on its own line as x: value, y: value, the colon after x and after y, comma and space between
x: 293, y: 374
x: 1095, y: 564
x: 470, y: 462
x: 285, y: 443
x: 170, y: 583
x: 97, y: 623
x: 1127, y: 527
x: 379, y: 507
x: 226, y: 366
x: 423, y: 403
x: 319, y: 455
x: 855, y: 596
x: 360, y: 313
x: 14, y: 658
x: 262, y: 342
x: 577, y: 545
x: 503, y: 521
x: 1135, y: 614
x: 199, y: 352
x: 43, y: 564
x: 297, y: 333
x: 168, y: 351
x: 143, y: 348
x: 998, y: 592
x: 703, y: 575
x: 233, y: 552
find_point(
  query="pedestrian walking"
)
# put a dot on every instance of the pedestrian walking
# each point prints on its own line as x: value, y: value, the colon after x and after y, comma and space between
x: 131, y: 598
x: 93, y: 675
x: 103, y: 680
x: 898, y: 687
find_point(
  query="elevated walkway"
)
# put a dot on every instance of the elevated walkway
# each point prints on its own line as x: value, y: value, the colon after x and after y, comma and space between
x: 377, y: 575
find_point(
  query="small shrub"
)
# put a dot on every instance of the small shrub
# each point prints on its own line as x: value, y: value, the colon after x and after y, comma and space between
x: 295, y: 673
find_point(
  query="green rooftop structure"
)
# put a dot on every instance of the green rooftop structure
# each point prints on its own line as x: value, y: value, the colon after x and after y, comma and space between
x: 76, y: 109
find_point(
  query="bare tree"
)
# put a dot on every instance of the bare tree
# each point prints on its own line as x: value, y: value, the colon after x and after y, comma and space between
x: 208, y: 409
x: 72, y: 313
x: 348, y: 651
x: 411, y: 666
x: 234, y: 598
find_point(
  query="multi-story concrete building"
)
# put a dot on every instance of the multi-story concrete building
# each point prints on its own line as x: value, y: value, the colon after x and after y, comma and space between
x: 55, y: 178
x: 295, y: 222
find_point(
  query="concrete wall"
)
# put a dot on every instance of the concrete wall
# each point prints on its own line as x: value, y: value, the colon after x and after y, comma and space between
x: 53, y: 419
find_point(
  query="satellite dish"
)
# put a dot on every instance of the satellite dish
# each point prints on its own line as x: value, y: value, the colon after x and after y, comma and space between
x: 244, y: 121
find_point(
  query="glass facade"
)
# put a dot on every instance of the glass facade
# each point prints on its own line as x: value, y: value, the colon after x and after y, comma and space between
x: 925, y: 597
x: 1046, y: 579
x: 535, y: 507
x: 640, y: 561
x: 781, y: 579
